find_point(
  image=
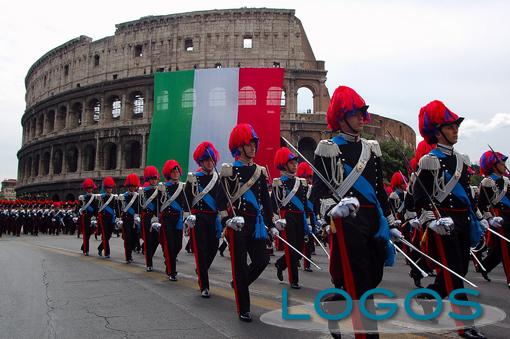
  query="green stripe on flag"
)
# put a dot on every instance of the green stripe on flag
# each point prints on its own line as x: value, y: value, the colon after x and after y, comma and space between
x: 171, y: 122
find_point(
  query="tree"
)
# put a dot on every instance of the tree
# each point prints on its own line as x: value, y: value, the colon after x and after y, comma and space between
x: 392, y: 160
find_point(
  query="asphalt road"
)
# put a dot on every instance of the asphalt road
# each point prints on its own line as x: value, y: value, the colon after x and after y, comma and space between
x: 49, y: 290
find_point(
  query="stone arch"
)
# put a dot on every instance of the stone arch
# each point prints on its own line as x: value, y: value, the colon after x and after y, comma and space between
x: 28, y: 167
x: 132, y: 154
x: 61, y: 118
x: 115, y: 107
x: 306, y: 146
x: 37, y: 159
x: 89, y: 158
x: 94, y: 110
x: 39, y: 125
x: 136, y: 104
x: 71, y: 159
x: 109, y: 156
x: 305, y: 100
x: 33, y: 125
x: 50, y: 120
x: 45, y: 164
x: 76, y: 116
x: 58, y: 158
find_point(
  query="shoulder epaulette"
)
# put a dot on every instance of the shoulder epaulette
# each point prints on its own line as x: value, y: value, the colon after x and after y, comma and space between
x: 327, y: 148
x: 374, y: 146
x: 429, y: 162
x: 488, y: 182
x: 264, y: 171
x: 192, y: 178
x: 226, y: 170
x: 277, y: 182
x: 466, y: 159
x: 303, y: 182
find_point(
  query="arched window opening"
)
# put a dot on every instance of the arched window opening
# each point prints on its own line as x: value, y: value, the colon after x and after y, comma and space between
x: 304, y: 101
x: 36, y: 165
x: 95, y: 108
x: 138, y: 105
x: 46, y: 163
x: 133, y: 152
x: 89, y: 158
x: 50, y: 118
x: 57, y: 161
x: 116, y: 107
x: 109, y: 156
x: 72, y: 160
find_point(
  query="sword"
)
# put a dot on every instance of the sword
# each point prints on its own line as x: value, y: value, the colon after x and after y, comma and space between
x: 315, y: 170
x: 493, y: 152
x: 320, y: 243
x: 476, y: 259
x: 301, y: 254
x: 436, y: 262
x: 499, y: 235
x: 423, y: 273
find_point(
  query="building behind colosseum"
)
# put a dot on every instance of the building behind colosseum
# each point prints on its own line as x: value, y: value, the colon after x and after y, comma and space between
x: 89, y: 103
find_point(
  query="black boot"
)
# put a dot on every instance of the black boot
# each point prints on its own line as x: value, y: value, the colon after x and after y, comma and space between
x: 279, y: 272
x: 485, y: 275
x: 473, y: 333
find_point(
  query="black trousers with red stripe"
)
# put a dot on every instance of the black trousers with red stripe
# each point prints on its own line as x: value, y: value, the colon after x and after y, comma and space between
x: 241, y: 244
x: 86, y: 231
x: 129, y: 235
x: 205, y: 245
x: 106, y: 233
x: 499, y: 251
x: 150, y: 239
x: 171, y: 241
x: 357, y: 262
x: 295, y: 235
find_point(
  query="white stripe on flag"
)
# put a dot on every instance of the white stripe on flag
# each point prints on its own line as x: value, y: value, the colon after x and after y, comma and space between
x: 216, y: 110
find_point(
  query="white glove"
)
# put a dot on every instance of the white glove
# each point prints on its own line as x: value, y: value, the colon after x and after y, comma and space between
x: 137, y: 219
x: 397, y: 223
x: 415, y: 223
x: 310, y: 228
x: 327, y: 229
x: 484, y: 223
x: 274, y: 232
x: 346, y: 207
x: 442, y: 226
x: 75, y: 219
x: 118, y: 223
x: 496, y: 222
x: 93, y: 222
x: 280, y: 224
x: 395, y: 234
x: 235, y: 223
x: 190, y: 220
x: 155, y: 226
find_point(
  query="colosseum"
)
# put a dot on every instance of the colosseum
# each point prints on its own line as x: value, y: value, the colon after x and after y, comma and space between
x: 89, y: 103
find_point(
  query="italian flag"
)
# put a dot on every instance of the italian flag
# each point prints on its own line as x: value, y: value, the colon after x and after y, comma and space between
x: 197, y: 105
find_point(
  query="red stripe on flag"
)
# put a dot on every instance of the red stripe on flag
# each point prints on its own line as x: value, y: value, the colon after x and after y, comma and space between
x: 259, y: 105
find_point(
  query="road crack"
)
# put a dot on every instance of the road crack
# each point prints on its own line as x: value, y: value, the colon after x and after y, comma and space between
x: 50, y: 309
x: 107, y: 324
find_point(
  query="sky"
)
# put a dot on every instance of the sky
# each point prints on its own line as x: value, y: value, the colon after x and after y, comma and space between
x: 398, y: 55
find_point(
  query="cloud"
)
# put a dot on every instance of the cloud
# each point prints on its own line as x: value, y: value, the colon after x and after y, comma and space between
x: 473, y: 126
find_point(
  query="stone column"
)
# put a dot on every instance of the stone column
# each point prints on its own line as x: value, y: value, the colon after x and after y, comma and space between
x: 96, y: 162
x: 144, y: 151
x: 51, y: 169
x: 119, y: 156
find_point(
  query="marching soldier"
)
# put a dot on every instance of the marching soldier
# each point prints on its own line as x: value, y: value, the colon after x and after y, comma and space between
x: 150, y: 199
x: 444, y: 179
x: 494, y: 203
x: 172, y: 206
x: 359, y: 211
x: 201, y: 190
x: 289, y: 198
x: 130, y: 206
x: 305, y: 171
x: 88, y: 213
x: 246, y: 209
x: 107, y: 215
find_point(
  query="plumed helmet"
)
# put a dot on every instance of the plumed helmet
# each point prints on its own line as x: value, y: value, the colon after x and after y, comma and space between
x: 132, y: 180
x: 204, y: 151
x: 150, y: 172
x: 169, y: 166
x: 304, y: 170
x: 423, y: 148
x: 432, y: 117
x: 88, y: 183
x: 108, y: 182
x: 242, y: 134
x: 345, y: 102
x: 282, y: 157
x: 397, y: 179
x: 488, y: 160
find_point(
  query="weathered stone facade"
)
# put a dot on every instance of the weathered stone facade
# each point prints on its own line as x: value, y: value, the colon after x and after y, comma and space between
x: 89, y: 103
